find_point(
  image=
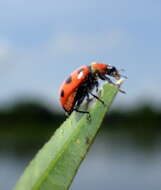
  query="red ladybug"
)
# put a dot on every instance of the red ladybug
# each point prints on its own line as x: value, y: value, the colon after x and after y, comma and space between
x: 81, y: 83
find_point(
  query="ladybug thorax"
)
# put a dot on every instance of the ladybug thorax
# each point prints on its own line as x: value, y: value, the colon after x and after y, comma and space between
x: 98, y: 67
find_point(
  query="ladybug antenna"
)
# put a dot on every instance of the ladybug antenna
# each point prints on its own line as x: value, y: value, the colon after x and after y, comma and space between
x: 125, y: 77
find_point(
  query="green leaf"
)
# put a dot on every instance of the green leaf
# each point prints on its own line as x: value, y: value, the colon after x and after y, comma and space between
x: 56, y: 164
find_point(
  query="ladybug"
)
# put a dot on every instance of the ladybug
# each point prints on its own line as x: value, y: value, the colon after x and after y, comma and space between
x: 81, y: 83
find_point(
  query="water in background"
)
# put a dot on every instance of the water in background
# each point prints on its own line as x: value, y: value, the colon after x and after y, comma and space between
x: 125, y: 155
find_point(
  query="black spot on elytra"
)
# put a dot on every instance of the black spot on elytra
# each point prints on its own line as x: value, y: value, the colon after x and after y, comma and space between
x: 80, y: 70
x: 62, y: 93
x: 69, y: 80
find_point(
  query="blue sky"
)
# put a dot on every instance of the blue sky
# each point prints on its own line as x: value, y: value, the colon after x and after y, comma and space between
x: 42, y: 42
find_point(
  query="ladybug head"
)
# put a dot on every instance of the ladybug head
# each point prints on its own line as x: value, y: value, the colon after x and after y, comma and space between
x: 112, y: 71
x: 104, y: 69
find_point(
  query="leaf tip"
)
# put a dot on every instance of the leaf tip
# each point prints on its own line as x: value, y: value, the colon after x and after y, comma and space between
x: 120, y: 82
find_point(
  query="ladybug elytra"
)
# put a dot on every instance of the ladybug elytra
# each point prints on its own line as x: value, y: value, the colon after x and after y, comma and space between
x: 81, y: 83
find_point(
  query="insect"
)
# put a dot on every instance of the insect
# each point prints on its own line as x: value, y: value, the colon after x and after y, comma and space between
x: 81, y: 82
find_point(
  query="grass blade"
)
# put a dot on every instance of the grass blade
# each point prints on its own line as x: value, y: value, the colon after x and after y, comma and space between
x: 56, y: 164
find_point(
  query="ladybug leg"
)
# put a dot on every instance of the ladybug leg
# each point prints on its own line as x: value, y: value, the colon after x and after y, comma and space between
x: 97, y: 85
x: 80, y: 111
x: 118, y: 83
x: 122, y: 91
x: 103, y: 77
x: 79, y: 101
x: 86, y: 112
x: 109, y: 80
x: 97, y: 98
x: 67, y: 114
x: 88, y: 98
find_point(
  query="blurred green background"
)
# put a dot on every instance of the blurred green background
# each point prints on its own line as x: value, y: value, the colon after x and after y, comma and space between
x: 41, y: 43
x: 126, y: 152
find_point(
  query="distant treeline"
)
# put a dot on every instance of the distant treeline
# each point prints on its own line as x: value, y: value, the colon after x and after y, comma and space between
x: 29, y: 125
